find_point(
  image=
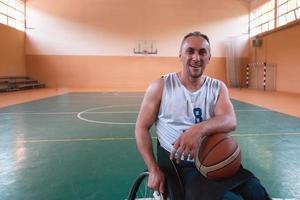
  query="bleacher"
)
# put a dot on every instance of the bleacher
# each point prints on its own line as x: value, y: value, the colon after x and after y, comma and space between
x: 15, y: 83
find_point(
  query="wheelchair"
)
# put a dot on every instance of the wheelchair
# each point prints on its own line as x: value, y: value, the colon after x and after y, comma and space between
x: 174, y: 183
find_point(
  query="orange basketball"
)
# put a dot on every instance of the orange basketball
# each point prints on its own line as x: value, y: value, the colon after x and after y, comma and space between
x: 218, y: 156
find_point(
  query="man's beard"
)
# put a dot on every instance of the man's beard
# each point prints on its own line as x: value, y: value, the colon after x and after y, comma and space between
x: 195, y: 75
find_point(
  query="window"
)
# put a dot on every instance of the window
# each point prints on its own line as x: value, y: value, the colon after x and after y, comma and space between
x: 287, y: 11
x: 263, y: 18
x: 12, y: 13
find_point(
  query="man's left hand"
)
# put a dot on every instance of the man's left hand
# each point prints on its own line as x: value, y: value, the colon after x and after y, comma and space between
x: 186, y: 144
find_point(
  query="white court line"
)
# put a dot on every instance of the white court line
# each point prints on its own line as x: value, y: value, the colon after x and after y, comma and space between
x: 264, y: 134
x: 113, y: 95
x: 103, y: 112
x: 112, y: 112
x: 133, y: 138
x: 70, y: 113
x: 40, y: 113
x: 80, y: 140
x: 272, y: 199
x: 105, y: 122
x: 262, y: 110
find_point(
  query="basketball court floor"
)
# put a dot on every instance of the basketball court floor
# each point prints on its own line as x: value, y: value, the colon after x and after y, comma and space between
x: 81, y: 146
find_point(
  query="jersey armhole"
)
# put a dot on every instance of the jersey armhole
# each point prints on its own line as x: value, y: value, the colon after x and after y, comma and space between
x: 218, y: 91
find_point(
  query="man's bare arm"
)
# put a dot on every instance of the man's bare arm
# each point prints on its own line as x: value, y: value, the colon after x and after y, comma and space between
x: 146, y: 117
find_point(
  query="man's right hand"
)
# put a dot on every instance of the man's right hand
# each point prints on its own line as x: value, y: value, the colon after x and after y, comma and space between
x: 156, y: 180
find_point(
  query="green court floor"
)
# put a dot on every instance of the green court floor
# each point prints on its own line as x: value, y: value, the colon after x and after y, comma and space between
x: 81, y: 146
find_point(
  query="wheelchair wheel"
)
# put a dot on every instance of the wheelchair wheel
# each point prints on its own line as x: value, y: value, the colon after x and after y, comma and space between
x: 139, y: 189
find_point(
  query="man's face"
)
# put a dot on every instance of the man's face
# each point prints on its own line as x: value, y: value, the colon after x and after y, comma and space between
x: 194, y: 55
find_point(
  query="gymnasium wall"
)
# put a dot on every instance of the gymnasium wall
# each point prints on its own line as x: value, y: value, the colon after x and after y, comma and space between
x: 257, y: 3
x: 108, y: 73
x: 12, y: 59
x: 283, y: 49
x: 89, y: 44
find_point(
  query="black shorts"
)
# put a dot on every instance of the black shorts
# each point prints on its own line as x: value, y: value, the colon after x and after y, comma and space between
x: 195, y: 185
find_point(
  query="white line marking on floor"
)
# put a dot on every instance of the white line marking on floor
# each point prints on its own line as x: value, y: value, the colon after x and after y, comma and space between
x: 103, y: 112
x: 260, y: 110
x: 79, y: 115
x: 40, y: 113
x: 263, y: 134
x: 79, y: 140
x: 133, y: 138
x: 111, y: 95
x: 70, y: 113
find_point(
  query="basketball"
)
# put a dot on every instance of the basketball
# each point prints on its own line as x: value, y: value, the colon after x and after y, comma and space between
x: 218, y: 156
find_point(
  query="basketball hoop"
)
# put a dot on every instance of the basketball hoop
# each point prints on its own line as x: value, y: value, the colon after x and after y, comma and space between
x: 145, y: 47
x: 145, y: 52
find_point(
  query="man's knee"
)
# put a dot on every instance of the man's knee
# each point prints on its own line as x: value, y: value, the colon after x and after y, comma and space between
x: 253, y: 190
x: 231, y: 196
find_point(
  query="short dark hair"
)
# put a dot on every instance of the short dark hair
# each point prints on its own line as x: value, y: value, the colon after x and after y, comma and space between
x: 196, y: 34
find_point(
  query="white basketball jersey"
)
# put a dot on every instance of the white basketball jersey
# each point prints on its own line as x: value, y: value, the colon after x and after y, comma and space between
x: 180, y: 108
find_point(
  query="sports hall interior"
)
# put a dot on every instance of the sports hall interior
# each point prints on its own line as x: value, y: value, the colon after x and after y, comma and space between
x: 121, y: 46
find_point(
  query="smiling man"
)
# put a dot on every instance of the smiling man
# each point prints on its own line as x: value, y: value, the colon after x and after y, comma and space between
x: 187, y: 106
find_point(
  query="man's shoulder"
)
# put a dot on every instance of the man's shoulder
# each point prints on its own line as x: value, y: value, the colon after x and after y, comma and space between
x: 168, y: 75
x: 156, y: 86
x: 210, y: 80
x: 214, y: 84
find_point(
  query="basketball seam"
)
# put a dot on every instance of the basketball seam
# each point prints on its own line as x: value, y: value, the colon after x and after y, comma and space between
x: 198, y: 161
x: 220, y: 165
x: 211, y: 149
x: 235, y: 149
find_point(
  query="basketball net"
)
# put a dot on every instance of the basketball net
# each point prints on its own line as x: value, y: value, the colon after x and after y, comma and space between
x: 145, y: 52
